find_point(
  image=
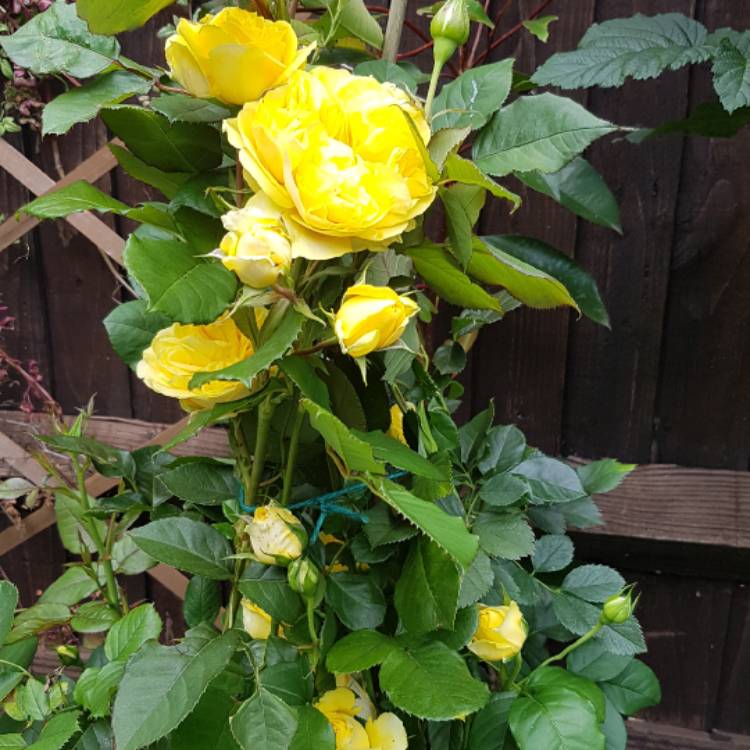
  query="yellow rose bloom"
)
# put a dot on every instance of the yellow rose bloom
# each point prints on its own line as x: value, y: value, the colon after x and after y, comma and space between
x: 500, y: 634
x: 371, y: 318
x: 234, y: 56
x: 180, y: 351
x: 255, y: 620
x: 256, y: 246
x: 340, y: 707
x: 337, y: 154
x: 277, y: 536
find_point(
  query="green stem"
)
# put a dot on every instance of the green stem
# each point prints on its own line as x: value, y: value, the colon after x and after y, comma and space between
x: 111, y: 590
x: 291, y: 458
x: 394, y: 28
x: 313, y: 632
x: 265, y: 412
x: 436, y: 70
x: 17, y: 667
x: 573, y: 646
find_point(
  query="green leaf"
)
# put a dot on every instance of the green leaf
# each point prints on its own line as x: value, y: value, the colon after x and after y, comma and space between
x: 178, y: 282
x: 166, y: 182
x: 356, y: 600
x: 579, y: 188
x: 462, y: 204
x: 264, y: 721
x: 33, y: 700
x: 304, y: 376
x: 489, y: 727
x: 448, y: 532
x: 98, y: 736
x: 577, y: 283
x: 82, y: 103
x: 131, y: 328
x: 356, y: 453
x: 267, y: 586
x: 431, y: 578
x: 57, y: 731
x: 188, y: 545
x: 70, y: 199
x: 130, y: 559
x: 128, y: 634
x: 554, y: 718
x: 36, y: 619
x: 268, y: 352
x: 542, y: 132
x: 575, y: 614
x: 442, y: 273
x: 637, y: 47
x: 356, y: 19
x: 383, y: 528
x: 502, y: 490
x: 360, y: 650
x: 709, y: 119
x: 207, y: 726
x: 8, y: 604
x: 532, y: 286
x: 162, y: 685
x: 594, y: 583
x: 504, y: 534
x: 731, y: 69
x: 12, y: 741
x: 472, y: 98
x: 205, y: 482
x: 539, y: 27
x: 544, y: 678
x: 97, y: 686
x: 173, y: 147
x: 70, y: 588
x: 477, y: 581
x: 20, y: 653
x: 313, y: 731
x: 58, y: 41
x: 633, y: 689
x: 603, y: 476
x: 202, y: 601
x: 615, y: 733
x: 385, y: 70
x: 594, y: 662
x: 392, y: 451
x: 94, y: 617
x: 114, y: 16
x: 432, y: 682
x: 625, y: 638
x: 506, y: 446
x: 549, y: 480
x: 552, y: 552
x: 466, y: 172
x: 446, y: 142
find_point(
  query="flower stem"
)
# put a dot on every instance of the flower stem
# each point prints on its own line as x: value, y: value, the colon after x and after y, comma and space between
x: 394, y: 29
x: 436, y: 70
x: 291, y: 458
x: 265, y: 412
x: 573, y: 646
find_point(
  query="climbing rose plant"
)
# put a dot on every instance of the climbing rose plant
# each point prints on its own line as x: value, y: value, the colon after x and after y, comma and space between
x: 364, y: 572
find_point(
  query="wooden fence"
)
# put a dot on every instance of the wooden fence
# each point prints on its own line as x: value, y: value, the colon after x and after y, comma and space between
x: 666, y: 387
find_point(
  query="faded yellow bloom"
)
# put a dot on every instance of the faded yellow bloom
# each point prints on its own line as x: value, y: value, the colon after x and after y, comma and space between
x: 338, y: 155
x: 255, y: 620
x: 371, y: 318
x: 276, y: 535
x: 396, y: 429
x: 256, y: 246
x: 234, y: 56
x: 500, y: 634
x: 180, y: 351
x: 341, y: 707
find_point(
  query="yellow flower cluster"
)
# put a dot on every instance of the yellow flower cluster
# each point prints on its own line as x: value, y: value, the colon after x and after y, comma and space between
x: 336, y: 163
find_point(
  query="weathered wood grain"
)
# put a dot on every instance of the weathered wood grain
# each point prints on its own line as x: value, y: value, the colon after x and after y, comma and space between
x: 648, y: 735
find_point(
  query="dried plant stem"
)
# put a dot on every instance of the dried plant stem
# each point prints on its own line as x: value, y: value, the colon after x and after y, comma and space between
x: 394, y: 29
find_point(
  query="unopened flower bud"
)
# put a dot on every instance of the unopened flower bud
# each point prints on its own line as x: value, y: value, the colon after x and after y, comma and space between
x: 450, y: 29
x: 276, y: 535
x: 304, y: 577
x: 618, y: 608
x: 68, y: 655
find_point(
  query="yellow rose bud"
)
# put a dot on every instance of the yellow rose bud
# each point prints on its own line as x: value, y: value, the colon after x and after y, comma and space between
x: 180, y: 351
x: 256, y: 246
x: 276, y: 535
x: 396, y: 429
x: 500, y: 634
x: 234, y: 56
x: 450, y: 29
x: 371, y: 318
x: 387, y: 732
x: 336, y: 153
x: 256, y: 621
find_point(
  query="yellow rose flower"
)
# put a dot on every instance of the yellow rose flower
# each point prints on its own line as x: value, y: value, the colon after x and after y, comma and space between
x: 340, y: 707
x: 339, y: 157
x: 396, y: 429
x: 370, y: 318
x: 276, y: 535
x: 180, y: 351
x: 500, y: 634
x: 255, y: 621
x: 234, y: 56
x: 256, y: 246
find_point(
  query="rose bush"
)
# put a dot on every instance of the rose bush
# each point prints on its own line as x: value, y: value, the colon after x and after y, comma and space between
x: 364, y: 571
